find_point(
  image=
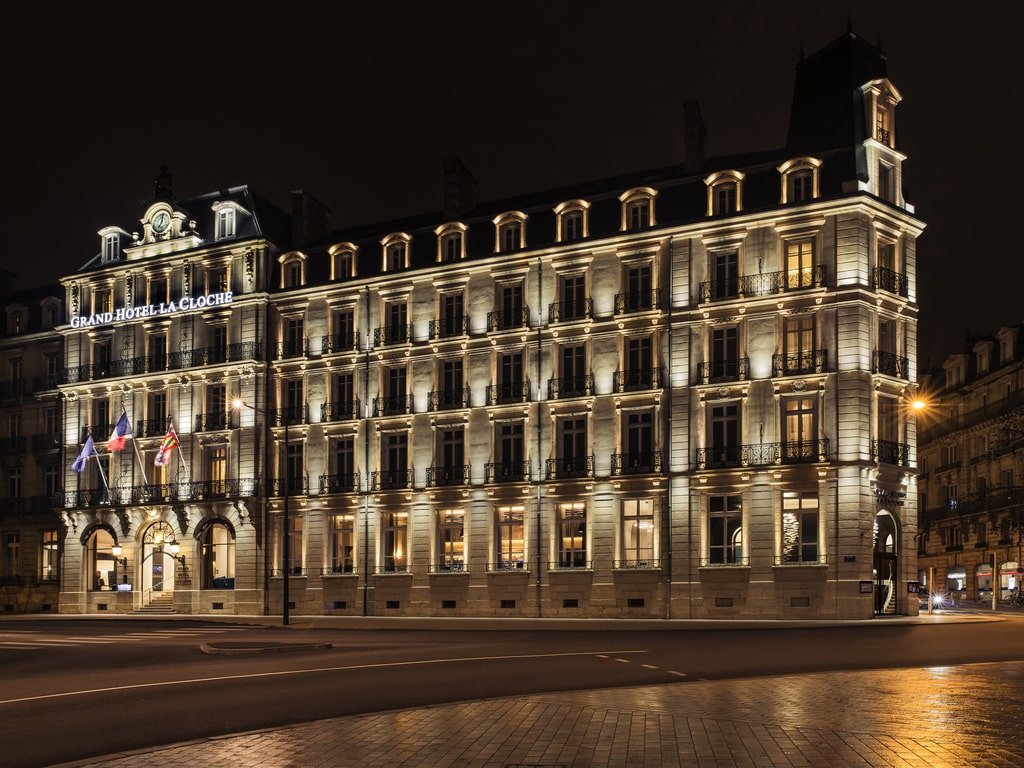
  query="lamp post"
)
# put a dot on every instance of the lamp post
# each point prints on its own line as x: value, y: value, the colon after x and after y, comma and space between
x: 116, y: 550
x: 285, y: 518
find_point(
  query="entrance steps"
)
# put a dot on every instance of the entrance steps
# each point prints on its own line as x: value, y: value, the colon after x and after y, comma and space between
x: 159, y: 603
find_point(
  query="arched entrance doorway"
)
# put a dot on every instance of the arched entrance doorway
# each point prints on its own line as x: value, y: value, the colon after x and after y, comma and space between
x: 886, y: 566
x: 158, y: 563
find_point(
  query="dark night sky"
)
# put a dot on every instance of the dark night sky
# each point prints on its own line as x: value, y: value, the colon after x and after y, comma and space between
x: 358, y: 102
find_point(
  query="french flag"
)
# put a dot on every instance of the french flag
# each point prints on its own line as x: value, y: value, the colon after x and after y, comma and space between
x: 121, y: 431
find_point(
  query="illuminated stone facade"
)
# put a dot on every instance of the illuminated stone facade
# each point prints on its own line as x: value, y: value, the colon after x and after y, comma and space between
x: 672, y: 394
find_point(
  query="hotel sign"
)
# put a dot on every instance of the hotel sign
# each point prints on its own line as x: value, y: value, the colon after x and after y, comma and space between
x: 890, y: 498
x: 122, y: 314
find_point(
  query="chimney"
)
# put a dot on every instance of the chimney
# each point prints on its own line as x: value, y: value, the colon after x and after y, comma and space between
x: 693, y: 136
x: 310, y: 218
x: 459, y: 188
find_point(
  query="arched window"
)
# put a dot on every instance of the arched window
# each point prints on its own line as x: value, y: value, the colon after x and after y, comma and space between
x: 100, y: 564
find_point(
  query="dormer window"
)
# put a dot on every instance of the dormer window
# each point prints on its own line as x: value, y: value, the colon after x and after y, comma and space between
x: 451, y: 242
x: 396, y: 252
x: 799, y: 180
x: 111, y: 248
x: 637, y: 209
x: 225, y: 223
x: 725, y: 193
x: 343, y: 261
x: 51, y: 312
x: 572, y: 220
x: 293, y: 270
x: 510, y: 232
x: 16, y: 319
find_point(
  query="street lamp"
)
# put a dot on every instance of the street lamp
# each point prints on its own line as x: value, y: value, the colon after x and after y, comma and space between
x: 285, y: 518
x: 116, y: 550
x: 175, y: 548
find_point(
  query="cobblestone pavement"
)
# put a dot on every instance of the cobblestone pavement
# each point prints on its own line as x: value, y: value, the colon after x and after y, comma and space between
x: 938, y: 717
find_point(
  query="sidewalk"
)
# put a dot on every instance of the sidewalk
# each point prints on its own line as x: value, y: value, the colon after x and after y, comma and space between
x: 960, y: 717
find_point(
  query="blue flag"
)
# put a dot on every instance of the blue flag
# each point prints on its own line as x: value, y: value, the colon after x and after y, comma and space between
x: 89, y: 449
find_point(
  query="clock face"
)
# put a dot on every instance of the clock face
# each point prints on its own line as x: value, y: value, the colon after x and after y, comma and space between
x: 161, y: 222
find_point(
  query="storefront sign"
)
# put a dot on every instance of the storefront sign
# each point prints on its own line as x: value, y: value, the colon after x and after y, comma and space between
x: 122, y: 314
x: 888, y: 498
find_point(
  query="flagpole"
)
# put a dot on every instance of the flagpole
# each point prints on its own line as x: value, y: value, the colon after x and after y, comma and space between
x: 181, y: 456
x: 135, y: 446
x: 103, y: 475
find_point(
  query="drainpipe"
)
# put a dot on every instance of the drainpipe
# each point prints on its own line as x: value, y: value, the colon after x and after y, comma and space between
x: 366, y: 459
x: 540, y: 324
x: 667, y: 543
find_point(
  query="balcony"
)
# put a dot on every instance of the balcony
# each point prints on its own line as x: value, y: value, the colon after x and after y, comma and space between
x: 642, y: 463
x: 891, y: 281
x: 449, y: 327
x: 344, y: 483
x: 721, y: 371
x: 571, y: 386
x: 567, y: 311
x: 150, y: 427
x: 765, y: 284
x: 646, y: 563
x: 799, y: 363
x: 763, y: 454
x: 47, y: 382
x: 392, y: 334
x: 890, y: 452
x: 292, y: 348
x: 135, y: 366
x: 292, y: 486
x: 446, y: 476
x: 506, y: 321
x: 637, y: 380
x: 796, y: 559
x: 891, y: 365
x: 448, y: 399
x: 502, y: 394
x: 571, y: 562
x: 45, y: 442
x: 339, y: 342
x: 98, y: 431
x: 507, y: 472
x: 392, y: 480
x: 148, y: 494
x: 639, y: 301
x: 13, y: 390
x: 211, y: 422
x: 562, y: 469
x: 340, y: 411
x: 392, y: 406
x: 290, y: 414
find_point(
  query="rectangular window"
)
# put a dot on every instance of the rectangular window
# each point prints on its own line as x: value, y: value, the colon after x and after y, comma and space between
x: 295, y: 469
x: 572, y: 226
x: 725, y: 355
x: 510, y: 307
x: 156, y: 357
x: 799, y: 527
x: 638, y: 439
x: 396, y: 454
x: 886, y: 183
x: 343, y: 397
x: 158, y: 290
x: 573, y: 442
x: 451, y: 543
x: 294, y: 338
x: 726, y: 276
x: 12, y: 554
x: 397, y: 328
x: 394, y: 257
x: 801, y: 186
x: 395, y: 544
x: 574, y: 370
x: 725, y: 530
x: 510, y: 538
x: 217, y: 469
x: 800, y: 429
x: 510, y: 236
x: 111, y: 248
x: 103, y: 300
x: 888, y: 419
x: 48, y: 558
x: 452, y: 455
x: 101, y: 358
x: 451, y: 247
x: 637, y: 533
x: 342, y: 265
x: 452, y: 315
x: 225, y: 223
x: 638, y: 214
x: 638, y: 358
x: 574, y: 297
x: 344, y: 337
x: 342, y: 543
x: 295, y: 549
x: 156, y: 422
x: 344, y: 460
x: 510, y: 449
x: 725, y: 198
x: 572, y: 539
x: 725, y: 435
x: 14, y: 483
x: 217, y: 280
x: 800, y: 264
x: 639, y: 288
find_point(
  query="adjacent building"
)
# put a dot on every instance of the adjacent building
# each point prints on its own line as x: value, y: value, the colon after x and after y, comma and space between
x: 677, y: 393
x: 971, y: 433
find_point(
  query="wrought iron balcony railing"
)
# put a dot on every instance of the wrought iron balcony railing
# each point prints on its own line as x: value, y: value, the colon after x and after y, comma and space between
x: 343, y: 483
x: 148, y: 494
x: 347, y: 409
x: 98, y: 432
x: 566, y: 311
x: 446, y: 327
x: 799, y: 363
x: 339, y: 342
x: 211, y: 422
x: 580, y: 466
x: 640, y: 563
x: 448, y: 399
x: 795, y: 558
x: 576, y: 561
x: 890, y: 364
x: 150, y: 427
x: 638, y: 301
x: 452, y: 567
x: 504, y: 321
x: 390, y: 566
x: 392, y: 334
x: 392, y: 480
x: 890, y: 452
x: 571, y: 386
x: 507, y: 472
x: 292, y: 486
x: 763, y: 454
x: 891, y: 281
x: 444, y: 476
x: 637, y: 380
x: 644, y: 462
x: 516, y: 392
x: 45, y: 441
x: 289, y: 414
x: 719, y: 371
x: 292, y: 348
x: 392, y: 406
x: 765, y: 284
